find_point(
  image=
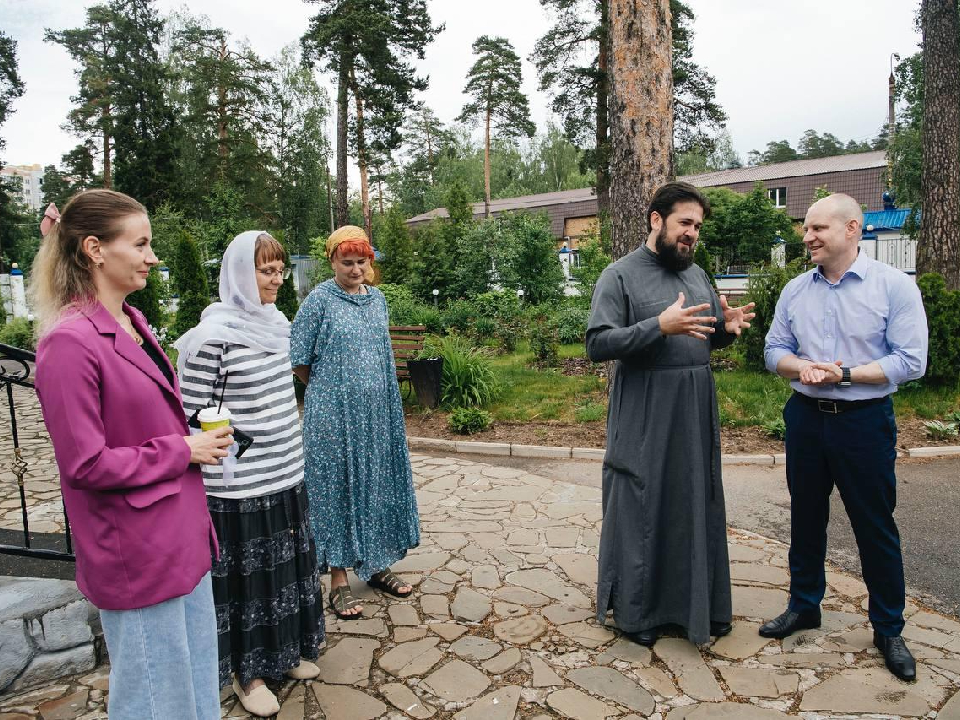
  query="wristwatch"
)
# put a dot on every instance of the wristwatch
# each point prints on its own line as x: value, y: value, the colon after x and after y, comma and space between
x: 845, y: 378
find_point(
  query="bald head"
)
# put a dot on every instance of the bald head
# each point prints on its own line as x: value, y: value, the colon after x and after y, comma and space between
x: 842, y: 207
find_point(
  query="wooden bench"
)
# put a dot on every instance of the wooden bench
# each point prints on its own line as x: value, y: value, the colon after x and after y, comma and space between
x: 407, y: 342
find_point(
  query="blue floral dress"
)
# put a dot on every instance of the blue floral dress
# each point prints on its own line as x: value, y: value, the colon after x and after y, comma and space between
x: 362, y: 504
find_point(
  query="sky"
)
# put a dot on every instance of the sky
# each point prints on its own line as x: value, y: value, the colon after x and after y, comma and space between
x: 781, y: 66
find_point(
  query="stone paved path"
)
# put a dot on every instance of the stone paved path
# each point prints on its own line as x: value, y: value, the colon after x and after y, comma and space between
x: 501, y: 626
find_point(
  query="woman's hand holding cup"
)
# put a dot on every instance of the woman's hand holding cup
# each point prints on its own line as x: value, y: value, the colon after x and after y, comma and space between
x: 206, y: 448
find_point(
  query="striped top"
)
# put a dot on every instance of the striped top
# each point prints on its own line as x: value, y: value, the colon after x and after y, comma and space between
x: 259, y: 394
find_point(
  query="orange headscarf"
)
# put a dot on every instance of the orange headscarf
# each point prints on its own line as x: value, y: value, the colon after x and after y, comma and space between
x: 355, y: 236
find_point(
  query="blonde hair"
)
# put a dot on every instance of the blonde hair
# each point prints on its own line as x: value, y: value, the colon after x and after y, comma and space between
x: 62, y: 276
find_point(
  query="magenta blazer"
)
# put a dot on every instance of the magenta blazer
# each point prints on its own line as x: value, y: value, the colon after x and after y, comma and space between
x: 137, y: 507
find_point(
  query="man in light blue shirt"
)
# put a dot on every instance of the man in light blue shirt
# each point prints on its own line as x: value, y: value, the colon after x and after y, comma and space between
x: 846, y: 334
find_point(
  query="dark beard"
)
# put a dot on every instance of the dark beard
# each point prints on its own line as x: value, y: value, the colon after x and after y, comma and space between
x: 669, y: 255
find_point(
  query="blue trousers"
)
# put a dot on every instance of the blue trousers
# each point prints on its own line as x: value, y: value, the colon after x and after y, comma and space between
x: 163, y: 659
x: 856, y: 451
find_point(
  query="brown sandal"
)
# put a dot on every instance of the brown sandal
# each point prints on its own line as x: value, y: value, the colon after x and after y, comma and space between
x: 386, y: 581
x: 341, y: 600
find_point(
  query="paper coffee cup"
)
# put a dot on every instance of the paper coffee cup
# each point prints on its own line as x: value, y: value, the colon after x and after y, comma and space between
x: 210, y: 418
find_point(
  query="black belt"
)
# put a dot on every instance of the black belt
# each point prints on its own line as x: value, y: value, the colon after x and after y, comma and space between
x: 834, y: 407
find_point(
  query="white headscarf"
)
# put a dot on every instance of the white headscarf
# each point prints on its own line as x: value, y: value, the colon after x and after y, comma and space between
x: 239, y: 318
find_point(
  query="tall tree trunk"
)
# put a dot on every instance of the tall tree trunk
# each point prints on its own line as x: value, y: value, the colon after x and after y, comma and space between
x: 343, y: 84
x: 362, y: 162
x: 486, y: 166
x: 223, y: 148
x: 426, y: 130
x: 107, y: 165
x: 641, y: 115
x: 602, y: 119
x: 326, y: 168
x: 938, y: 249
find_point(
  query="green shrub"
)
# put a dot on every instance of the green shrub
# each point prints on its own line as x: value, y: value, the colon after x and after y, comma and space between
x: 18, y: 333
x: 942, y: 307
x: 570, y: 323
x: 152, y: 299
x: 764, y: 287
x: 466, y: 421
x: 287, y: 301
x: 499, y: 304
x: 459, y: 316
x: 544, y: 342
x: 508, y: 334
x: 189, y: 279
x: 468, y: 378
x: 484, y: 328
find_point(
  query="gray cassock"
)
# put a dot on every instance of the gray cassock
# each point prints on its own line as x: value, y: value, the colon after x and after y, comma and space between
x: 663, y: 546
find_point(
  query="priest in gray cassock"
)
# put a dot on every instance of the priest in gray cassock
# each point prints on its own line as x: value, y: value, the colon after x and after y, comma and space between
x: 663, y: 546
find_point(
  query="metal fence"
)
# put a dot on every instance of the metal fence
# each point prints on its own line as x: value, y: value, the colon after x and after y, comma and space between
x: 15, y: 367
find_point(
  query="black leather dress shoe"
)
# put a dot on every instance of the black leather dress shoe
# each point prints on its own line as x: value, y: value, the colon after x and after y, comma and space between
x: 647, y: 638
x: 789, y: 622
x: 719, y: 629
x: 897, y: 656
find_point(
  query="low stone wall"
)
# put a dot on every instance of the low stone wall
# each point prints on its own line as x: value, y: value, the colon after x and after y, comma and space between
x: 47, y: 630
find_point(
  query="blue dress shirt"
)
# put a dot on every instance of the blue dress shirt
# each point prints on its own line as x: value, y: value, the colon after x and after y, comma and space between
x: 873, y: 313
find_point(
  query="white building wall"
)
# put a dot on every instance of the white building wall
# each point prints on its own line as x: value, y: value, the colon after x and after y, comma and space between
x: 31, y: 177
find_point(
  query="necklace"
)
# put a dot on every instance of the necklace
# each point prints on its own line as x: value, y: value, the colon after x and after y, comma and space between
x: 127, y: 325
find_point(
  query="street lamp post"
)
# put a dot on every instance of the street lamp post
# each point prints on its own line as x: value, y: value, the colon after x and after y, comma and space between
x: 435, y: 293
x: 520, y: 294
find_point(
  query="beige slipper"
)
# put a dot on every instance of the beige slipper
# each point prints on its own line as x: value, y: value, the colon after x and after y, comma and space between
x: 306, y: 670
x: 260, y: 702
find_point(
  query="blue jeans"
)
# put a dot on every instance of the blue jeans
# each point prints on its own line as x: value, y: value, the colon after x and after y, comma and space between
x: 163, y: 659
x: 854, y: 451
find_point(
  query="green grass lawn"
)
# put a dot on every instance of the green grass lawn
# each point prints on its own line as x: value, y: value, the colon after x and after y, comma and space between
x: 745, y: 397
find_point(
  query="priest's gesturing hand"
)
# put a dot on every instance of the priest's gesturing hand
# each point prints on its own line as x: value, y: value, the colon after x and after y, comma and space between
x: 736, y: 319
x: 678, y: 320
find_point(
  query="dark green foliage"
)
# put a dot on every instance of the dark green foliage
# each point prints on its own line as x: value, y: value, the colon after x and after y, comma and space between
x: 594, y: 258
x: 742, y: 229
x: 702, y: 257
x: 189, y: 280
x: 434, y: 265
x: 287, y: 301
x: 151, y: 300
x: 394, y: 241
x: 468, y: 377
x: 570, y: 322
x: 11, y: 85
x: 493, y: 83
x: 764, y: 288
x: 526, y: 257
x: 942, y: 307
x: 18, y: 333
x: 544, y: 341
x: 466, y: 421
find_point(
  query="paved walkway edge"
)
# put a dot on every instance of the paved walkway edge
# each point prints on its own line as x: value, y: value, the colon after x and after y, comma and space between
x: 422, y: 444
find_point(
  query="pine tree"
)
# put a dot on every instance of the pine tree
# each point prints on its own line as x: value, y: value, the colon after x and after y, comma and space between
x: 189, y: 279
x: 938, y: 249
x: 573, y: 59
x: 93, y: 48
x: 287, y: 301
x: 368, y: 45
x: 12, y: 216
x: 498, y: 102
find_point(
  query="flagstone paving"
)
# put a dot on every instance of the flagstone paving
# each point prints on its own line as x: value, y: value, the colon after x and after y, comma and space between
x: 502, y: 626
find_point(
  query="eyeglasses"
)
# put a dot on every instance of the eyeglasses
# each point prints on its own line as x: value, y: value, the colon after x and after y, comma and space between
x: 271, y: 273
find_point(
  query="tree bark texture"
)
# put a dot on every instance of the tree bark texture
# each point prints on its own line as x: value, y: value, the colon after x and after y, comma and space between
x: 602, y: 118
x: 342, y: 99
x: 486, y: 165
x: 107, y: 150
x: 938, y: 249
x: 641, y: 115
x: 362, y: 163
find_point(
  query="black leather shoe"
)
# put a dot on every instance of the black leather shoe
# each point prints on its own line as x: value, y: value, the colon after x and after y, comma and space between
x: 719, y: 629
x: 647, y: 638
x: 897, y: 656
x: 789, y: 622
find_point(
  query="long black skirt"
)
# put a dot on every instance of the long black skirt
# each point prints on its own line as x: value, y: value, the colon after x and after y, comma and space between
x: 266, y: 585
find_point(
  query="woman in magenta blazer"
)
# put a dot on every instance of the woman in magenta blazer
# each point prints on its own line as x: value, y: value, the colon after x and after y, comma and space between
x: 128, y: 463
